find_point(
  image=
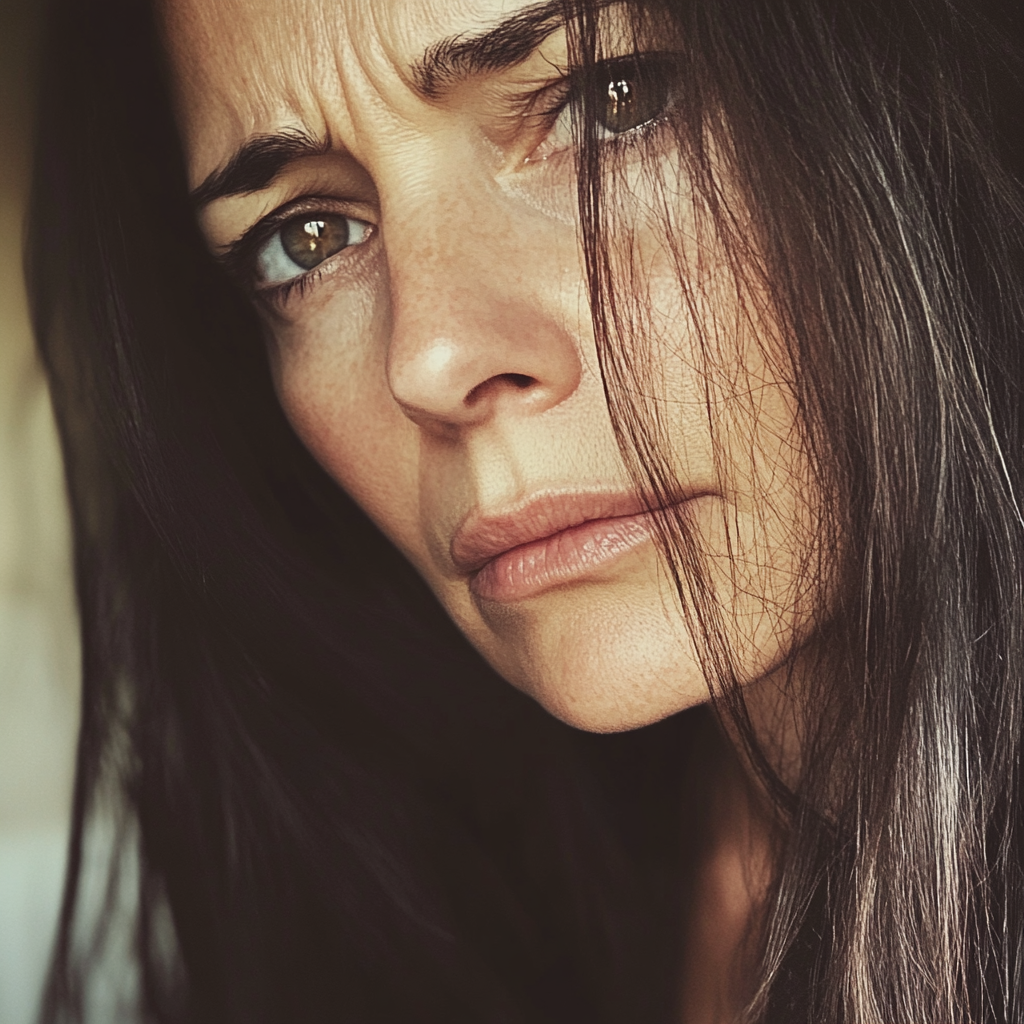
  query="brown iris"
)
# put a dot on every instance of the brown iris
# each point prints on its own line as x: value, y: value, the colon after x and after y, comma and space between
x: 308, y: 241
x: 631, y: 94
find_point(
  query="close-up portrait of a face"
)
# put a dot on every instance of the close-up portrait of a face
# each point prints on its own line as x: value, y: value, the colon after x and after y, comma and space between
x: 545, y: 488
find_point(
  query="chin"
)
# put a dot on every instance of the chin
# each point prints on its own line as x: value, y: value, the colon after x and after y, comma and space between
x: 606, y: 668
x: 601, y: 716
x: 590, y: 701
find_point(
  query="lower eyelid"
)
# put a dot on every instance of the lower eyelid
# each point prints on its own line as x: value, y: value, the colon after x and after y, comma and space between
x: 278, y: 292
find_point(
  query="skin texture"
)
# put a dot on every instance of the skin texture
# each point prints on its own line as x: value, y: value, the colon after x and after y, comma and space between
x: 444, y: 368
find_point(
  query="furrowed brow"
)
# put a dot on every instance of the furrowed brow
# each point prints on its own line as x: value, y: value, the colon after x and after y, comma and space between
x: 509, y: 43
x: 256, y: 163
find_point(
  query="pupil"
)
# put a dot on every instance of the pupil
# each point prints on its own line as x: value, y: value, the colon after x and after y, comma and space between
x: 619, y: 93
x: 636, y: 95
x: 315, y: 229
x: 308, y: 242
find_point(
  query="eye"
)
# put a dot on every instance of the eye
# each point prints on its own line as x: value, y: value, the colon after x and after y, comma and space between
x: 304, y: 242
x: 626, y: 93
x: 630, y: 92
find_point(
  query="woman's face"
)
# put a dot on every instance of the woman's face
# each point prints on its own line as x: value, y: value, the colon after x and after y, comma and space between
x: 395, y: 180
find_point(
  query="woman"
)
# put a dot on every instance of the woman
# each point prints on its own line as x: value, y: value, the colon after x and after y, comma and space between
x: 672, y: 350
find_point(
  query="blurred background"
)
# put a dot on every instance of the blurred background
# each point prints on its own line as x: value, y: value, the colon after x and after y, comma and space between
x: 38, y: 641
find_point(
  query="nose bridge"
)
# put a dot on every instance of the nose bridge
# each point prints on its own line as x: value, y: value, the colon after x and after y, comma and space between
x: 475, y: 321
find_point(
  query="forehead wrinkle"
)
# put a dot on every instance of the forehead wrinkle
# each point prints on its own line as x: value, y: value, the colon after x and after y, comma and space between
x: 312, y: 84
x: 372, y: 93
x: 280, y: 71
x: 335, y: 70
x: 384, y: 111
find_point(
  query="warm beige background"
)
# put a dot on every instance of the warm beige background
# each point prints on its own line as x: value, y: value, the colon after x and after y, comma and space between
x: 38, y: 654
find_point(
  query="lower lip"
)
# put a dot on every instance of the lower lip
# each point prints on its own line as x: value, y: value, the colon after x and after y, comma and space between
x: 561, y: 558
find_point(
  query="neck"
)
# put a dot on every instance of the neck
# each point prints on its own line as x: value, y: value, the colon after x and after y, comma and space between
x: 730, y: 874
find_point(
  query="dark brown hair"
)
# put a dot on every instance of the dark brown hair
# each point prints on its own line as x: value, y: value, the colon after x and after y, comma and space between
x: 860, y: 165
x: 339, y: 812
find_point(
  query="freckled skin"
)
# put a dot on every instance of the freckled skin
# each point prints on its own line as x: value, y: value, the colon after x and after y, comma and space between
x: 447, y: 363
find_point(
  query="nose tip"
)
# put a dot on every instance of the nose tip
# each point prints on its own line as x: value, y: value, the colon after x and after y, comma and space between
x: 459, y: 359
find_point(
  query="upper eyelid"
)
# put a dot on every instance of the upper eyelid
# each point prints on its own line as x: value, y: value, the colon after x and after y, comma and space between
x: 573, y: 78
x: 547, y: 101
x: 258, y: 231
x: 571, y: 83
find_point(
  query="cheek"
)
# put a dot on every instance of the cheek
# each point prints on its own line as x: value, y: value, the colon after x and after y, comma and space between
x: 722, y: 395
x: 329, y: 372
x: 775, y: 586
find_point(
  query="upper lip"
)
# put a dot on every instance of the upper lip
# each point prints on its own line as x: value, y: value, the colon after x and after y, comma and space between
x: 483, y: 536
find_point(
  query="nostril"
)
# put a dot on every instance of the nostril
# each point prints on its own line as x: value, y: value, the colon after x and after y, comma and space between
x: 518, y: 381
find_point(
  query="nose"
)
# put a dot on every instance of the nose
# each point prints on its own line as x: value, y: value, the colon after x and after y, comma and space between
x: 475, y: 329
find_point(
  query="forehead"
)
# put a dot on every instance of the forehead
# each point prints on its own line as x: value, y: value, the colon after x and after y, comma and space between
x: 246, y: 67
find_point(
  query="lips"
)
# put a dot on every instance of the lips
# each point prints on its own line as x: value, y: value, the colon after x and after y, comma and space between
x: 547, y: 541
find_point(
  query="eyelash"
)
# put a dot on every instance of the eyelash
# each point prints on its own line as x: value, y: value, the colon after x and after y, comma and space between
x: 282, y: 292
x: 570, y: 90
x: 240, y: 257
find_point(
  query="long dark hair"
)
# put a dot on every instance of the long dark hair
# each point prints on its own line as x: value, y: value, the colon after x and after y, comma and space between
x: 338, y: 811
x: 860, y: 165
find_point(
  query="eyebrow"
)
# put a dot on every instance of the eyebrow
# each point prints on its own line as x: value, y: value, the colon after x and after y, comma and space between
x: 260, y: 159
x: 509, y: 43
x: 257, y: 163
